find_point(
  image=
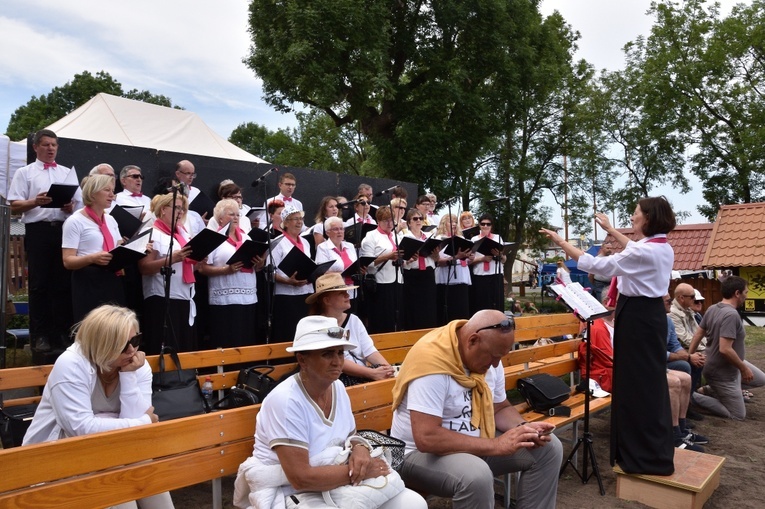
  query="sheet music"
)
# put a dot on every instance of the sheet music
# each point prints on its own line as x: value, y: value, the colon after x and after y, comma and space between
x: 580, y: 301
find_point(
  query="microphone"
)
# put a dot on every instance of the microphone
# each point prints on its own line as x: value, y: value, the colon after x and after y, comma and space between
x: 180, y: 187
x: 263, y: 177
x: 380, y: 193
x: 497, y: 200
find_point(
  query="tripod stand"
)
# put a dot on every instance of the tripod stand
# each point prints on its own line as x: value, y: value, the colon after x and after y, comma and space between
x: 586, y: 439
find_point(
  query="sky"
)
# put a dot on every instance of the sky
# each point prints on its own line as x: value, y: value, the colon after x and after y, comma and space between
x: 192, y: 51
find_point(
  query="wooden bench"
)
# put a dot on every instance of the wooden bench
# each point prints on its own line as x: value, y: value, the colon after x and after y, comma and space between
x: 113, y: 467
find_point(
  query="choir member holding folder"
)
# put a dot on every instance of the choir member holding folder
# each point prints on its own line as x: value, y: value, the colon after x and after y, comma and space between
x: 232, y: 286
x: 181, y: 310
x: 341, y: 252
x: 289, y: 291
x: 88, y: 236
x: 488, y: 288
x: 419, y: 279
x: 452, y: 272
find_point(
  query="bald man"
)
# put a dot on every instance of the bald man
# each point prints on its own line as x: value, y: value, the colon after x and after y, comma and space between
x: 682, y: 316
x: 451, y: 410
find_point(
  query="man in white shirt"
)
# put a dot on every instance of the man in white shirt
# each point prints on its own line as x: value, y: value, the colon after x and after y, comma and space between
x: 185, y: 173
x: 50, y: 294
x: 451, y: 410
x: 131, y: 179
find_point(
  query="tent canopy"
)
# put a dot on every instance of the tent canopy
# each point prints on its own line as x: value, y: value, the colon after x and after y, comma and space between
x: 570, y: 263
x: 119, y: 121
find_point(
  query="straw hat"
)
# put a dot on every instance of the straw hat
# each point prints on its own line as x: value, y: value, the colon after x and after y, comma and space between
x: 329, y: 282
x: 317, y: 333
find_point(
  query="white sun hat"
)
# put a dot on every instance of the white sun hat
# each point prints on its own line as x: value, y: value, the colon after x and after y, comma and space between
x: 317, y: 333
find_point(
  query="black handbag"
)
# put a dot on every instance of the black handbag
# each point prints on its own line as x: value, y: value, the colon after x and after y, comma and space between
x: 236, y: 398
x: 543, y: 392
x: 176, y: 393
x: 14, y: 422
x: 255, y: 379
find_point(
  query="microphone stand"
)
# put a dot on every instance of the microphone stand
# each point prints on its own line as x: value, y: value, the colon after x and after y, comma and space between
x: 167, y: 272
x: 268, y: 268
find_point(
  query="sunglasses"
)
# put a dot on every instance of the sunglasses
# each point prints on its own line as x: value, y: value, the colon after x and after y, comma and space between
x: 136, y: 176
x: 485, y: 224
x: 135, y: 342
x: 416, y: 219
x: 401, y: 208
x: 506, y: 325
x: 335, y: 332
x: 363, y: 203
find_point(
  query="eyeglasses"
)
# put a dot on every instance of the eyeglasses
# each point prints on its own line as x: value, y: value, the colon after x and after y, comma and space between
x: 190, y: 175
x: 668, y: 301
x: 335, y: 332
x: 697, y: 302
x: 236, y: 197
x: 485, y: 224
x: 336, y: 230
x: 135, y: 342
x: 416, y: 219
x: 401, y: 208
x: 506, y: 325
x: 363, y: 203
x: 135, y: 176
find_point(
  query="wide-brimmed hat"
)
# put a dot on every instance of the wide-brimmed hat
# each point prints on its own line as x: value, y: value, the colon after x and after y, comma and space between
x: 289, y: 210
x: 329, y: 282
x: 319, y: 332
x: 697, y: 295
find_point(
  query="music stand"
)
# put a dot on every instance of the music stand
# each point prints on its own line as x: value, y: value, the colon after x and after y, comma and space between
x: 587, y: 309
x: 586, y: 438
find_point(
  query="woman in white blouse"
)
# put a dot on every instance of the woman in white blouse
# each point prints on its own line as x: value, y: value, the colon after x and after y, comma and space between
x: 100, y: 383
x: 88, y: 236
x: 452, y: 275
x: 232, y: 290
x: 419, y: 308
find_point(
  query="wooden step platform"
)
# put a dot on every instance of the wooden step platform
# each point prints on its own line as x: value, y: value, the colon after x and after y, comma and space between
x: 696, y: 477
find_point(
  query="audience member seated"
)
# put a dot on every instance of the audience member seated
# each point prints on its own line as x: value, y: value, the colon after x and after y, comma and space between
x: 100, y: 383
x: 726, y: 369
x: 301, y: 426
x: 451, y: 409
x: 364, y: 363
x: 601, y: 352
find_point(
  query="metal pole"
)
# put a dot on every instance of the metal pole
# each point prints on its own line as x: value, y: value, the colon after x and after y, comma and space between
x: 5, y: 229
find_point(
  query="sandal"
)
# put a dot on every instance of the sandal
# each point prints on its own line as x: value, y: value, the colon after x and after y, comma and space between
x: 747, y: 395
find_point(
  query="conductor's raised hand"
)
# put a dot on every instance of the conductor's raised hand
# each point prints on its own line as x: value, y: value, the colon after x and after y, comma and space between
x: 603, y: 221
x: 557, y: 239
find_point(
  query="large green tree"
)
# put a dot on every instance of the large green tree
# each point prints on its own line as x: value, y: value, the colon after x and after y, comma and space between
x: 44, y: 110
x: 706, y: 73
x: 413, y: 76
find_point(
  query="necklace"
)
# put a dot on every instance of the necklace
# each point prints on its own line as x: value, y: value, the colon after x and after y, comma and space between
x: 110, y: 379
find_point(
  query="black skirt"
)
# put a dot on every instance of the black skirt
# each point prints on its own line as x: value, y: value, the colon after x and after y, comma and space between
x: 453, y: 302
x: 419, y: 307
x: 93, y: 286
x: 487, y: 292
x: 232, y: 325
x: 384, y: 308
x: 179, y: 335
x: 641, y: 418
x: 288, y: 310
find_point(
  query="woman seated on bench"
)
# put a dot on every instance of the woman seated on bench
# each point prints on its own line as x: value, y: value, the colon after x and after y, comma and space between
x: 364, y: 363
x: 302, y: 424
x: 100, y: 383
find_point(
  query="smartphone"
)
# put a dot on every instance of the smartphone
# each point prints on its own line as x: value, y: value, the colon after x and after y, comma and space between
x: 547, y: 432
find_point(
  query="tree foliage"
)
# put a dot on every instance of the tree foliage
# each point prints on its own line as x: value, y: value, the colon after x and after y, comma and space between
x: 44, y: 110
x: 705, y: 74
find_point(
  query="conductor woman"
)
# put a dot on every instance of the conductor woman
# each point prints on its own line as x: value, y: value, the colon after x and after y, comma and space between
x: 641, y: 426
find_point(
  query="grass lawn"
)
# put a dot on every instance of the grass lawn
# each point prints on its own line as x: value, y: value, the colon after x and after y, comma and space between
x: 755, y: 335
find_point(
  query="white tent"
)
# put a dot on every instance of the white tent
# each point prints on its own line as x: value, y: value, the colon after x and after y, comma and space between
x: 111, y: 119
x: 13, y: 155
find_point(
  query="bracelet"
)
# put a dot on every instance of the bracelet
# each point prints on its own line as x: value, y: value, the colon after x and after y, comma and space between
x: 365, y: 446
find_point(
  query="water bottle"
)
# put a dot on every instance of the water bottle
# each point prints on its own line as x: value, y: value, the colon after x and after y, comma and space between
x: 207, y: 391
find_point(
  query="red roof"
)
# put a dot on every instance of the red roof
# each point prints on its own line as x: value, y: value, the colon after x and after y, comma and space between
x: 738, y: 237
x: 689, y: 242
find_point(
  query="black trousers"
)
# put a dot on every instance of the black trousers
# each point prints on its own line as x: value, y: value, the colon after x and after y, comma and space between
x: 50, y: 284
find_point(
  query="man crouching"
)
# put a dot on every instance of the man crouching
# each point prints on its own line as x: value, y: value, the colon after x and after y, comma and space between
x: 451, y: 409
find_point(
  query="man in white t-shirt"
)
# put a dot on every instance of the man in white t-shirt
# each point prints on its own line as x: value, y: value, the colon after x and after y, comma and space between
x: 451, y: 410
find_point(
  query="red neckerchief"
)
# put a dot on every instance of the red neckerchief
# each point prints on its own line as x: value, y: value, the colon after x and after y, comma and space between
x: 108, y: 244
x: 188, y: 263
x: 390, y: 237
x: 346, y: 261
x: 237, y: 241
x: 485, y: 263
x: 421, y: 259
x: 295, y: 243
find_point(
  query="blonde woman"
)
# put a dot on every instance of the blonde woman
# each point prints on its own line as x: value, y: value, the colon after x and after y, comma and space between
x: 100, y: 383
x: 562, y: 274
x: 180, y: 309
x: 88, y: 236
x: 452, y: 275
